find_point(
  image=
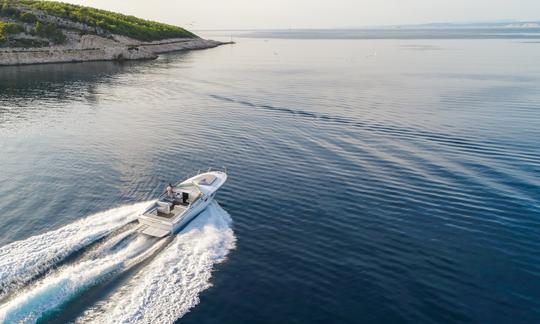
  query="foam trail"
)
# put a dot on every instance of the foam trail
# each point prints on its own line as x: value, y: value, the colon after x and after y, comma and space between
x: 111, y: 244
x: 60, y: 287
x: 169, y: 286
x: 22, y: 261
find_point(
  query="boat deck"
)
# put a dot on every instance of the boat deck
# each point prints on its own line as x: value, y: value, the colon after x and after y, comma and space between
x: 175, y: 211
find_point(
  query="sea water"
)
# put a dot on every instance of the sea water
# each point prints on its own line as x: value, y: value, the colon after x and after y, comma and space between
x: 371, y: 179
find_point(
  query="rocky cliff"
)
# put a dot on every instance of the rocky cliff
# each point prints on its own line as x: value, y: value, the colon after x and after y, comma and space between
x: 96, y: 48
x: 33, y: 32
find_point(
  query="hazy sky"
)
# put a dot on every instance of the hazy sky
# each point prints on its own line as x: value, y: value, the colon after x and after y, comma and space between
x: 248, y: 14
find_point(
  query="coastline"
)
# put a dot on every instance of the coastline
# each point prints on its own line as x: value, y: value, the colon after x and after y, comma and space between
x: 95, y: 48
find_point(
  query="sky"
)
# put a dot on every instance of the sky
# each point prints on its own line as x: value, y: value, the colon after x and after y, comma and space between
x: 277, y: 14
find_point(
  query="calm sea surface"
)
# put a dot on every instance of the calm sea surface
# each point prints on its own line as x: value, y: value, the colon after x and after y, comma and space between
x: 370, y: 180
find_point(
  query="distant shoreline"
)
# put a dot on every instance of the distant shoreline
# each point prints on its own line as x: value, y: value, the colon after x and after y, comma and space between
x: 396, y: 33
x: 95, y: 49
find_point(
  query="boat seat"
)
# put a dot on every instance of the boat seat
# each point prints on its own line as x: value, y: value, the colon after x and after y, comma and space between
x: 164, y: 207
x: 194, y: 196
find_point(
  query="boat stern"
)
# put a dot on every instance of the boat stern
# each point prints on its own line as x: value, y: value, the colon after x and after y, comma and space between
x: 154, y: 227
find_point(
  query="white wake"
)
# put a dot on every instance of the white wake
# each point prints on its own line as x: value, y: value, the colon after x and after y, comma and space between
x: 162, y: 291
x: 169, y: 286
x: 22, y: 260
x: 55, y: 290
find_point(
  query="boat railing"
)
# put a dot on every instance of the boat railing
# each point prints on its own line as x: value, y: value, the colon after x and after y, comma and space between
x: 210, y: 169
x: 222, y: 169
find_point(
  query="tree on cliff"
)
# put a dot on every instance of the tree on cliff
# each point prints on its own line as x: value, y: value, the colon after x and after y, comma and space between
x: 49, y: 31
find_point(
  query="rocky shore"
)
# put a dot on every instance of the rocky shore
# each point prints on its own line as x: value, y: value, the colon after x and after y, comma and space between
x: 96, y: 48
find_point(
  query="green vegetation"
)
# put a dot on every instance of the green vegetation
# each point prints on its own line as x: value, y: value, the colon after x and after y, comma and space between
x: 49, y: 31
x: 7, y: 28
x: 24, y: 15
x: 8, y: 10
x: 109, y: 21
x: 28, y: 17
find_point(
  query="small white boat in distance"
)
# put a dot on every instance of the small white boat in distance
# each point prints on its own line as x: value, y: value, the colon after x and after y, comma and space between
x: 177, y: 207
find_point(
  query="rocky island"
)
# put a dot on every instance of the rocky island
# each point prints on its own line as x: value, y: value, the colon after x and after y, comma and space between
x: 33, y: 32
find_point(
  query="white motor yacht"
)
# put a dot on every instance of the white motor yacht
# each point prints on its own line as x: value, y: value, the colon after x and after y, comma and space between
x: 180, y: 204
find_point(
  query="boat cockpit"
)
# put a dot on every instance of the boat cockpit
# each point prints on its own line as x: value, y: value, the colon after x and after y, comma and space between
x: 175, y: 203
x: 180, y: 203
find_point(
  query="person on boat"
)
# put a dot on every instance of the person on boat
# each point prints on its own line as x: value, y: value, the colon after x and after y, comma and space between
x: 169, y: 190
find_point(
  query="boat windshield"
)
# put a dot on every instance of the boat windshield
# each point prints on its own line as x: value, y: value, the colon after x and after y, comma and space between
x: 189, y: 185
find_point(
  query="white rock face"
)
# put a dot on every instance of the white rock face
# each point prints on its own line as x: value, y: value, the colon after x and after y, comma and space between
x: 92, y: 41
x: 177, y: 45
x: 96, y: 48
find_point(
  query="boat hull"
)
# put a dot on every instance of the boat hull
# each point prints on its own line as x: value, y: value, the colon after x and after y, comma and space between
x: 161, y: 226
